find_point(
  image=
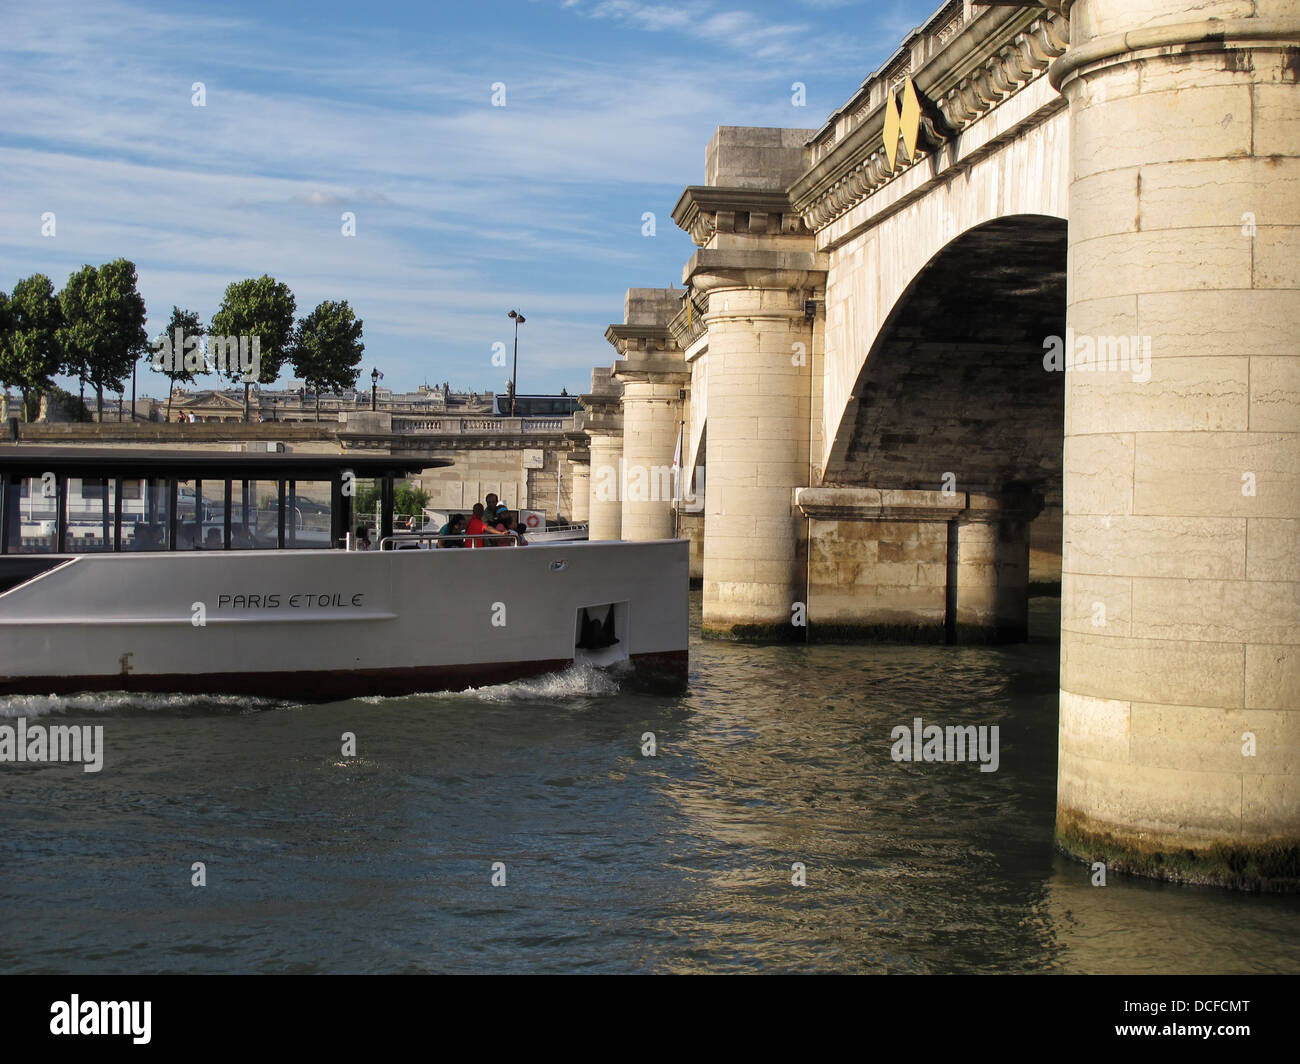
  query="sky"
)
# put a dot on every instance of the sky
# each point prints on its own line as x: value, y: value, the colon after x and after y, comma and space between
x: 463, y: 209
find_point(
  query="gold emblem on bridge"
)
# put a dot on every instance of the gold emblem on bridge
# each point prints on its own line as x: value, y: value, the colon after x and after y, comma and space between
x: 905, y: 123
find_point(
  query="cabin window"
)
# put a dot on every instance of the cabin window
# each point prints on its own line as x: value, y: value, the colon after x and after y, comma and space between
x: 89, y: 508
x: 150, y: 524
x: 253, y: 519
x: 199, y: 524
x: 308, y: 515
x: 31, y: 521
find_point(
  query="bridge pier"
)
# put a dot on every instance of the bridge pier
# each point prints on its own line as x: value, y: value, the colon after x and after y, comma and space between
x: 917, y: 566
x: 757, y: 445
x: 580, y: 486
x: 1180, y: 643
x: 652, y: 372
x: 603, y: 423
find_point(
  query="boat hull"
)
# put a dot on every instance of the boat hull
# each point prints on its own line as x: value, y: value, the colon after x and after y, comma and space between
x: 325, y: 625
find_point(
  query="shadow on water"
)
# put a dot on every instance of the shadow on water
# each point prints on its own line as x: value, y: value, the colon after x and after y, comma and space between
x: 321, y: 858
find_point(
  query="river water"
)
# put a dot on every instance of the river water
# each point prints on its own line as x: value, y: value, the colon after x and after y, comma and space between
x: 383, y: 860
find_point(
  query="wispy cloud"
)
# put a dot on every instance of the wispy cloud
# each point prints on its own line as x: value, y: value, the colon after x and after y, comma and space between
x: 462, y: 209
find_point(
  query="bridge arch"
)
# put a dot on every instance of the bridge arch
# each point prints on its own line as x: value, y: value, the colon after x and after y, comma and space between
x: 952, y: 393
x: 877, y: 251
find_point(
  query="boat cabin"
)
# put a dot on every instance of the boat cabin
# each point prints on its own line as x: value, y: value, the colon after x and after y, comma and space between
x: 77, y: 500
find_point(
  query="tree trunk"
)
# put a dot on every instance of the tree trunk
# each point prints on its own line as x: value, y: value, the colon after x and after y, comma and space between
x: 171, y: 387
x: 245, y: 402
x: 99, y: 402
x: 318, y: 404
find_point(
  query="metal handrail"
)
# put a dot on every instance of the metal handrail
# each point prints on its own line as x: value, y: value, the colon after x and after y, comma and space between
x: 406, y: 537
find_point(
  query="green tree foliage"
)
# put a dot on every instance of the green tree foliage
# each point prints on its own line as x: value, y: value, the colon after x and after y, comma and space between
x: 103, y: 330
x: 327, y: 349
x: 30, y: 352
x: 122, y: 315
x: 408, y: 500
x: 189, y: 322
x: 78, y: 335
x: 261, y: 307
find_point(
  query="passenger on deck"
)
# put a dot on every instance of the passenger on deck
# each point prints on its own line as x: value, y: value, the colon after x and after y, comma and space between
x: 476, y: 524
x: 454, y: 527
x: 513, y: 524
x: 498, y: 523
x: 213, y: 539
x: 363, y: 538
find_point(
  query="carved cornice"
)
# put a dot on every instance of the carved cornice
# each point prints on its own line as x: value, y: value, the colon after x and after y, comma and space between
x: 688, y: 324
x: 704, y: 210
x: 991, y: 59
x: 632, y: 340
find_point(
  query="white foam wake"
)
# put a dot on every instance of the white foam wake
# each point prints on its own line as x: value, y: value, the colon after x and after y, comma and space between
x: 577, y: 681
x: 125, y: 701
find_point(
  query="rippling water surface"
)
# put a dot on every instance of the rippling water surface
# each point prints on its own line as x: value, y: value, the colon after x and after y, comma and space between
x: 681, y: 862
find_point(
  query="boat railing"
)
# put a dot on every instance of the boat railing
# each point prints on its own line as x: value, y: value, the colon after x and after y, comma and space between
x: 392, y: 542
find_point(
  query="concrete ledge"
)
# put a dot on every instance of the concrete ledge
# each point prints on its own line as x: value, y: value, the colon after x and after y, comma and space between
x: 872, y: 504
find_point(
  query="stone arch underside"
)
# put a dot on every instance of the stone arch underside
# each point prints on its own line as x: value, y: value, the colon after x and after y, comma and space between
x: 954, y: 383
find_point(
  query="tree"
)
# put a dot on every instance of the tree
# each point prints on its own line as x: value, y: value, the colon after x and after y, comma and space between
x: 79, y: 334
x: 262, y: 308
x: 30, y: 352
x: 190, y: 324
x: 103, y: 328
x: 408, y: 500
x: 327, y: 349
x: 121, y: 313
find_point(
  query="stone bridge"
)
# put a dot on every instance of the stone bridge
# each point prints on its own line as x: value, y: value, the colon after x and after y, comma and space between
x: 1037, y: 280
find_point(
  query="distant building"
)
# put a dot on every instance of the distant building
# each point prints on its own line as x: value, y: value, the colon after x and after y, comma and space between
x: 297, y: 403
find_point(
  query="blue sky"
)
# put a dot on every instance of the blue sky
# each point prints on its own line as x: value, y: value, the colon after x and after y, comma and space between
x: 463, y: 210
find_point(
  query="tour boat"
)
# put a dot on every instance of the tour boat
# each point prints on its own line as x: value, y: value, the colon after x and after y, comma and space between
x: 231, y: 573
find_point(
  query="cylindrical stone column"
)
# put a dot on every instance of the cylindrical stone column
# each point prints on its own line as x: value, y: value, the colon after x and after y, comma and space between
x: 650, y: 425
x: 757, y: 451
x: 1180, y: 642
x: 579, y: 484
x: 605, y: 508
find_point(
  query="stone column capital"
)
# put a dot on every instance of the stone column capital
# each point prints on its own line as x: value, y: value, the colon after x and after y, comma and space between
x: 711, y: 270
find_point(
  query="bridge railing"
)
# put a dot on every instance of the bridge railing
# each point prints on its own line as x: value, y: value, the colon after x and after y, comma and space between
x: 483, y: 426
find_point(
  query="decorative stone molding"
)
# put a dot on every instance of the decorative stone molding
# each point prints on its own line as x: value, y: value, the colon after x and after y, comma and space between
x: 960, y: 88
x: 687, y: 325
x: 631, y: 341
x: 704, y: 211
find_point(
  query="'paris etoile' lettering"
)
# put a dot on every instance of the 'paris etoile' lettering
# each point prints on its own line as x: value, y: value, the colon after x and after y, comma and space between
x: 298, y: 601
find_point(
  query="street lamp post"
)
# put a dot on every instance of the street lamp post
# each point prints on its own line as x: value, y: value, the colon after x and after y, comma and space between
x: 514, y: 373
x: 375, y: 378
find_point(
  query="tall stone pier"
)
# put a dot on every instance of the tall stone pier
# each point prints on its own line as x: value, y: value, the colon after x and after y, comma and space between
x: 760, y: 275
x: 1180, y: 654
x: 603, y: 423
x: 653, y: 374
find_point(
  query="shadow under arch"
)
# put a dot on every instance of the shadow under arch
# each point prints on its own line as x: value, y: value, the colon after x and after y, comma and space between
x: 954, y: 381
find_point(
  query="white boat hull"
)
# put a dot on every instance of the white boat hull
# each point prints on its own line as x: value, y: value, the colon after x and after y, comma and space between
x: 322, y: 625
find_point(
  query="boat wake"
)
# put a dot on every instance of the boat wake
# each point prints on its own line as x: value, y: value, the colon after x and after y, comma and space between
x: 126, y: 703
x: 577, y: 681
